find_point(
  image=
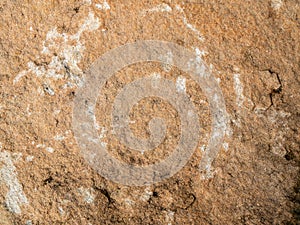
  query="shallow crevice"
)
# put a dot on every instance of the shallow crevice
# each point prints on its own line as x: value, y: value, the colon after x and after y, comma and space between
x: 275, y: 90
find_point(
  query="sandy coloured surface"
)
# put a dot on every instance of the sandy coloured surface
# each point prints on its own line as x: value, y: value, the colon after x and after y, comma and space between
x: 251, y: 49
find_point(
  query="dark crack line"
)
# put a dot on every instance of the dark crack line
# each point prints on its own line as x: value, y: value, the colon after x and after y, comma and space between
x: 276, y: 90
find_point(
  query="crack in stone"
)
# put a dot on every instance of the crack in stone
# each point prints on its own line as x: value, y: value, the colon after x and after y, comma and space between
x: 275, y: 90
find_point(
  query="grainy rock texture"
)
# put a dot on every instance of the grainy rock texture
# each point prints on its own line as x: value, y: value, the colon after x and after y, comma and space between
x: 252, y: 49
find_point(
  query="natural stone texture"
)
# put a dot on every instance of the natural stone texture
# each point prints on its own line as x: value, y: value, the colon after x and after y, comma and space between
x: 251, y: 47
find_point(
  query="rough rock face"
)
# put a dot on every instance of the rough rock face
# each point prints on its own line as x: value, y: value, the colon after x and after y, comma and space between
x: 252, y: 50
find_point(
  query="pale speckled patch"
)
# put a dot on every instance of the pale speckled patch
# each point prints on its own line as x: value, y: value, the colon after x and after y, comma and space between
x: 278, y: 140
x: 199, y: 55
x: 202, y: 148
x: 87, y: 2
x: 155, y: 79
x: 169, y: 217
x: 225, y: 146
x: 68, y: 56
x: 168, y: 58
x: 222, y: 123
x: 61, y: 210
x: 87, y: 194
x: 19, y: 76
x: 146, y: 195
x: 104, y: 6
x: 129, y: 202
x: 15, y: 196
x: 238, y: 87
x: 29, y: 158
x: 188, y: 25
x: 181, y: 84
x: 159, y: 8
x: 276, y: 4
x: 28, y: 222
x: 47, y: 148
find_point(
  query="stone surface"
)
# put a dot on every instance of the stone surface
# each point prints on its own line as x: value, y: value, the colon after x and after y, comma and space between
x: 252, y: 49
